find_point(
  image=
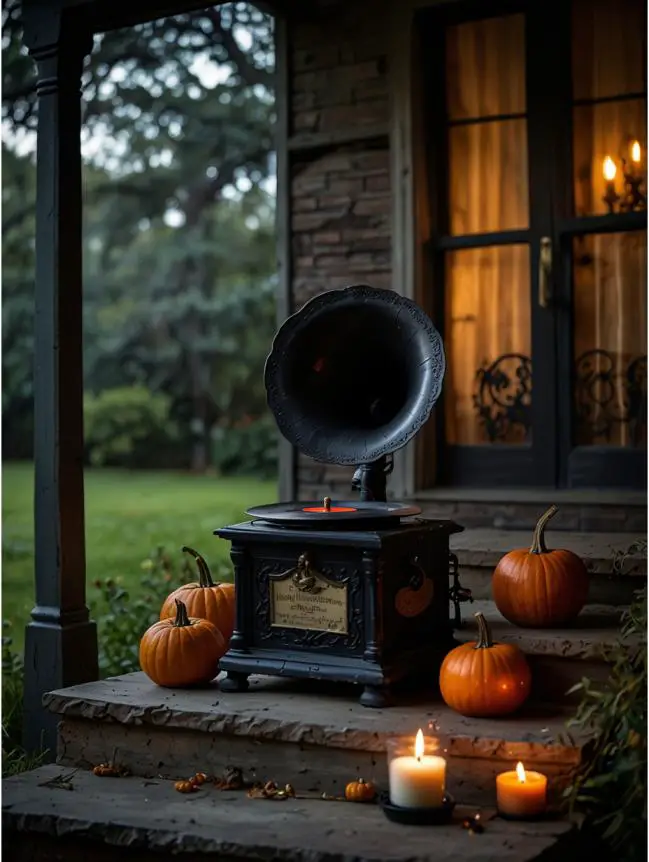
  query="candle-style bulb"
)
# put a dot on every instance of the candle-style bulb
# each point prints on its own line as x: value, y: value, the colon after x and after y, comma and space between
x: 609, y: 169
x: 636, y: 153
x: 419, y: 744
x: 520, y: 772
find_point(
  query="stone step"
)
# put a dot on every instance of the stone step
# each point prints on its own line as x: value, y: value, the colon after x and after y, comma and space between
x: 559, y: 657
x: 584, y: 510
x: 313, y: 735
x: 615, y: 572
x: 117, y: 819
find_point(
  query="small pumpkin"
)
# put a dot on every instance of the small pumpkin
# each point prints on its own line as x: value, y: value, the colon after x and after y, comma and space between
x: 206, y: 599
x: 185, y: 786
x: 539, y: 588
x: 181, y: 650
x: 360, y: 791
x: 485, y: 678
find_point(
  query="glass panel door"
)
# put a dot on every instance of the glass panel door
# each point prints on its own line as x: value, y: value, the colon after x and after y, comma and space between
x: 605, y: 236
x: 485, y: 249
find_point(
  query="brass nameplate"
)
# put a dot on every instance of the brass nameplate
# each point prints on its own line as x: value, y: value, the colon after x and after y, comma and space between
x: 303, y: 598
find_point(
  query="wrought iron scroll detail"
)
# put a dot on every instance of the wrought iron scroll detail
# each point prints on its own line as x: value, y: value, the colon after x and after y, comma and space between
x: 608, y: 394
x: 503, y: 397
x: 457, y: 593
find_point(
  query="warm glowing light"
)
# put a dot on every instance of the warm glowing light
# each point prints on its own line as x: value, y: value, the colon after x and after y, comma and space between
x: 635, y: 152
x: 609, y: 169
x: 419, y: 745
x: 520, y: 771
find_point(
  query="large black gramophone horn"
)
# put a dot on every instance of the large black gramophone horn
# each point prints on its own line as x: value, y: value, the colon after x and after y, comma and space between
x: 353, y: 376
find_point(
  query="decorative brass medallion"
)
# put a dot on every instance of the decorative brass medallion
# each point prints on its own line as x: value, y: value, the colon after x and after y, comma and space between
x: 413, y: 600
x: 303, y: 598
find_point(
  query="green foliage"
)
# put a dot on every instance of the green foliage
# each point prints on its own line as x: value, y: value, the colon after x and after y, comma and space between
x: 122, y: 618
x: 14, y: 757
x: 611, y: 785
x: 249, y: 448
x: 124, y: 426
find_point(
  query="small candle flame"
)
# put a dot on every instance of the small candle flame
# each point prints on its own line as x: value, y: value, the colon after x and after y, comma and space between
x: 419, y: 745
x: 609, y: 169
x: 520, y: 771
x: 635, y: 152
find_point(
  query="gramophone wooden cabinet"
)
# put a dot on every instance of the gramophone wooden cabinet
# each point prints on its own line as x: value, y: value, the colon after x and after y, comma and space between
x: 361, y: 606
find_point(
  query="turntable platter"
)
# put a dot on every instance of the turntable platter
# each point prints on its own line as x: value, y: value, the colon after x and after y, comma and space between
x: 334, y: 514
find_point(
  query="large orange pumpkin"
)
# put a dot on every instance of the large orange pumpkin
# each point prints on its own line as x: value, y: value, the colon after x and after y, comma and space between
x: 485, y: 678
x: 538, y: 587
x: 205, y: 600
x: 181, y: 651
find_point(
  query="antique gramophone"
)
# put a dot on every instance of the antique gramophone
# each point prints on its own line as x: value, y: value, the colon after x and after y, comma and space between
x: 354, y: 590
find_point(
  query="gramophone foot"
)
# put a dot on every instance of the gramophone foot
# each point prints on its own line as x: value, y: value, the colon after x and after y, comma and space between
x: 374, y: 697
x: 234, y: 681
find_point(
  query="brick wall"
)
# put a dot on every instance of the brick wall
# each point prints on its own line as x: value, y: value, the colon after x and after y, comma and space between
x: 340, y: 194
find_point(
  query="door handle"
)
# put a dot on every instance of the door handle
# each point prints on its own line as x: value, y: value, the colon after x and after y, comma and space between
x: 545, y: 272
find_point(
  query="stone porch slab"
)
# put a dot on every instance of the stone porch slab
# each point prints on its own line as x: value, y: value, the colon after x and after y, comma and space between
x: 594, y: 631
x: 483, y: 547
x: 124, y: 814
x: 309, y: 732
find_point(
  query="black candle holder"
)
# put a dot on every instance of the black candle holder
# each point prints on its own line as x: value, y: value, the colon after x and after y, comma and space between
x: 634, y: 199
x: 611, y: 197
x: 437, y: 816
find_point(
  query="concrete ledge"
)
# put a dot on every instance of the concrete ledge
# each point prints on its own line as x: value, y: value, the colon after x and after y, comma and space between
x: 128, y: 813
x: 307, y: 713
x: 595, y: 629
x: 484, y: 547
x: 314, y: 733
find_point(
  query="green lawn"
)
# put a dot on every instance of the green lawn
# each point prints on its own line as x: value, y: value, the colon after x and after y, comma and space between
x: 128, y: 514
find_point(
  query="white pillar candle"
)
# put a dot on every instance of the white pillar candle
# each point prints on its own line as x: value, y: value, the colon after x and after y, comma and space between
x: 417, y: 780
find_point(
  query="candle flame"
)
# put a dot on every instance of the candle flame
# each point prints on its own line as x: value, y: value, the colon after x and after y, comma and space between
x: 520, y: 771
x: 635, y: 152
x: 609, y: 169
x: 419, y: 744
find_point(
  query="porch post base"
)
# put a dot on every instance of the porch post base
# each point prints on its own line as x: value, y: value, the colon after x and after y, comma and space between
x: 57, y: 655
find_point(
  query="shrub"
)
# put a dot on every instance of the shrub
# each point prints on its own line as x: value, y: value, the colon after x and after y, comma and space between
x: 128, y: 427
x: 247, y: 448
x: 610, y: 787
x: 14, y: 757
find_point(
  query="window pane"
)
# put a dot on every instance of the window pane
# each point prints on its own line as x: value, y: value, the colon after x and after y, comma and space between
x: 485, y: 68
x: 488, y: 186
x: 607, y: 129
x: 488, y: 341
x: 609, y: 48
x: 610, y: 335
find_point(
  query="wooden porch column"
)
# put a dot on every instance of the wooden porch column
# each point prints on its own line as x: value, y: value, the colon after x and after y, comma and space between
x: 61, y: 641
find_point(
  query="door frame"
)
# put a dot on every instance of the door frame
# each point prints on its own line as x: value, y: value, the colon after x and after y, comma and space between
x: 551, y: 459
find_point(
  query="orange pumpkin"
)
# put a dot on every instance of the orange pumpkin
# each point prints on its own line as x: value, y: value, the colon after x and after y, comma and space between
x: 540, y: 587
x: 485, y: 678
x: 181, y: 651
x: 205, y: 600
x: 360, y: 791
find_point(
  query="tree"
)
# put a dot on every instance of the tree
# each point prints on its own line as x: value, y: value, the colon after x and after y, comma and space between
x: 178, y: 136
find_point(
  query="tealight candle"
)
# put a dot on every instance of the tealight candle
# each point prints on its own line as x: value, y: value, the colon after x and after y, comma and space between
x: 521, y: 793
x: 417, y: 780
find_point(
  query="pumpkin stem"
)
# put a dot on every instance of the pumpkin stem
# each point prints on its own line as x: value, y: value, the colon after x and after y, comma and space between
x: 484, y: 632
x: 204, y: 574
x: 182, y: 617
x: 538, y: 545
